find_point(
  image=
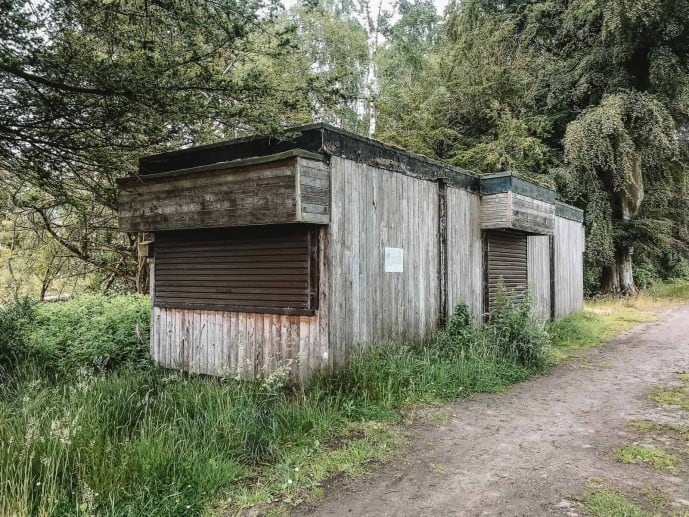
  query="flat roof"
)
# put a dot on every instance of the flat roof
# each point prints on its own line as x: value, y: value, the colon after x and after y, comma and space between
x: 319, y: 138
x: 326, y: 140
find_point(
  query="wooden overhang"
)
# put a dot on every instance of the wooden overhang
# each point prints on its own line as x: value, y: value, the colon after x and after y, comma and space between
x: 287, y: 187
x: 261, y: 180
x: 510, y: 202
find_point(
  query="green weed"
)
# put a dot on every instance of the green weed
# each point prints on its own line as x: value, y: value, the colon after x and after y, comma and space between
x: 678, y: 290
x: 639, y: 454
x: 605, y: 502
x: 91, y: 331
x: 650, y: 426
x: 655, y: 496
x: 670, y: 396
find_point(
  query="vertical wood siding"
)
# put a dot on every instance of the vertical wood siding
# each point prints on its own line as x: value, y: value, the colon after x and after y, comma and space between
x: 373, y: 209
x: 464, y: 251
x: 539, y: 274
x: 243, y: 344
x: 568, y: 250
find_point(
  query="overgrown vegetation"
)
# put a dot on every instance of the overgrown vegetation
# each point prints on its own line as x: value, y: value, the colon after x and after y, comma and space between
x: 94, y: 332
x: 606, y: 317
x: 91, y: 427
x: 652, y: 456
x: 605, y: 502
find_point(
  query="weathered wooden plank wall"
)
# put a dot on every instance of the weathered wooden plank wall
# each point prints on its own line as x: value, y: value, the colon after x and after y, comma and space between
x: 373, y: 209
x: 509, y: 210
x: 243, y: 344
x: 568, y: 251
x: 211, y: 199
x: 496, y: 211
x: 314, y: 191
x: 539, y: 274
x: 464, y: 251
x: 532, y: 215
x: 269, y: 193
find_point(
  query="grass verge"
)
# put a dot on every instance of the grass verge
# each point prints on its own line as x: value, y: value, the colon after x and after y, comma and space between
x: 93, y: 429
x: 639, y: 454
x: 606, y: 502
x: 605, y: 318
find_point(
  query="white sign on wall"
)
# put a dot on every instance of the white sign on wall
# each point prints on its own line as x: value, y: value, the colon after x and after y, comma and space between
x: 394, y: 260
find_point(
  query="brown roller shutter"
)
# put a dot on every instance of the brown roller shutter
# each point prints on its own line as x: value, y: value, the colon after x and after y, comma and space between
x: 261, y: 269
x: 506, y: 259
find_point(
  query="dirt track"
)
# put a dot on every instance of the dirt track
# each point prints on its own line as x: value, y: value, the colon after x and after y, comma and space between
x: 533, y: 450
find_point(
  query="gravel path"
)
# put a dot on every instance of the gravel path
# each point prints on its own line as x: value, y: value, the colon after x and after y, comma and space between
x: 532, y: 450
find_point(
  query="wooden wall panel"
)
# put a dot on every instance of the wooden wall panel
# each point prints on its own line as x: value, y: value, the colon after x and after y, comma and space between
x: 285, y: 191
x: 242, y: 344
x: 314, y: 191
x: 568, y: 251
x: 373, y: 209
x: 508, y: 210
x: 496, y: 211
x: 464, y: 251
x: 260, y: 195
x: 539, y: 274
x: 532, y: 215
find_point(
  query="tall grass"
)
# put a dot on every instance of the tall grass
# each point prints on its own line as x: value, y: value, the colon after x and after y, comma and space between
x: 117, y: 436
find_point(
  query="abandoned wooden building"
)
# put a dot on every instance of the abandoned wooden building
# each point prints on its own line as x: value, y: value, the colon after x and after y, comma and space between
x: 266, y: 252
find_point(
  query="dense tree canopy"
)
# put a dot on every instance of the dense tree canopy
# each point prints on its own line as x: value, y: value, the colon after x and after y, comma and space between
x: 591, y: 96
x: 90, y: 86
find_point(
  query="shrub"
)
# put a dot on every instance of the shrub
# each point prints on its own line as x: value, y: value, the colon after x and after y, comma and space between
x: 516, y: 334
x: 461, y: 329
x: 92, y: 331
x: 14, y: 321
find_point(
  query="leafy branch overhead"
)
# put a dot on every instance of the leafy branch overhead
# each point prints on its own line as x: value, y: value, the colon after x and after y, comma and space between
x: 593, y: 96
x: 90, y: 86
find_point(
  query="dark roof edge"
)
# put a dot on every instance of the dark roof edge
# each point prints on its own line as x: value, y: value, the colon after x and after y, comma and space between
x: 361, y: 149
x: 569, y: 212
x: 318, y: 138
x: 232, y: 164
x: 509, y: 181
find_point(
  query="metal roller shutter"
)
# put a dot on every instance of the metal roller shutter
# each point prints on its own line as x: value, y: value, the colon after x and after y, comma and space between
x: 506, y: 262
x: 260, y: 269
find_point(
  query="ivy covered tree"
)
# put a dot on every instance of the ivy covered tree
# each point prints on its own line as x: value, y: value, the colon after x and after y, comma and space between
x: 614, y: 153
x: 618, y: 73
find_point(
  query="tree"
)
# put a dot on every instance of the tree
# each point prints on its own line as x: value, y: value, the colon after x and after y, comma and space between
x: 332, y: 46
x: 473, y: 95
x: 616, y: 151
x: 590, y: 94
x: 90, y: 86
x: 618, y: 73
x: 405, y: 62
